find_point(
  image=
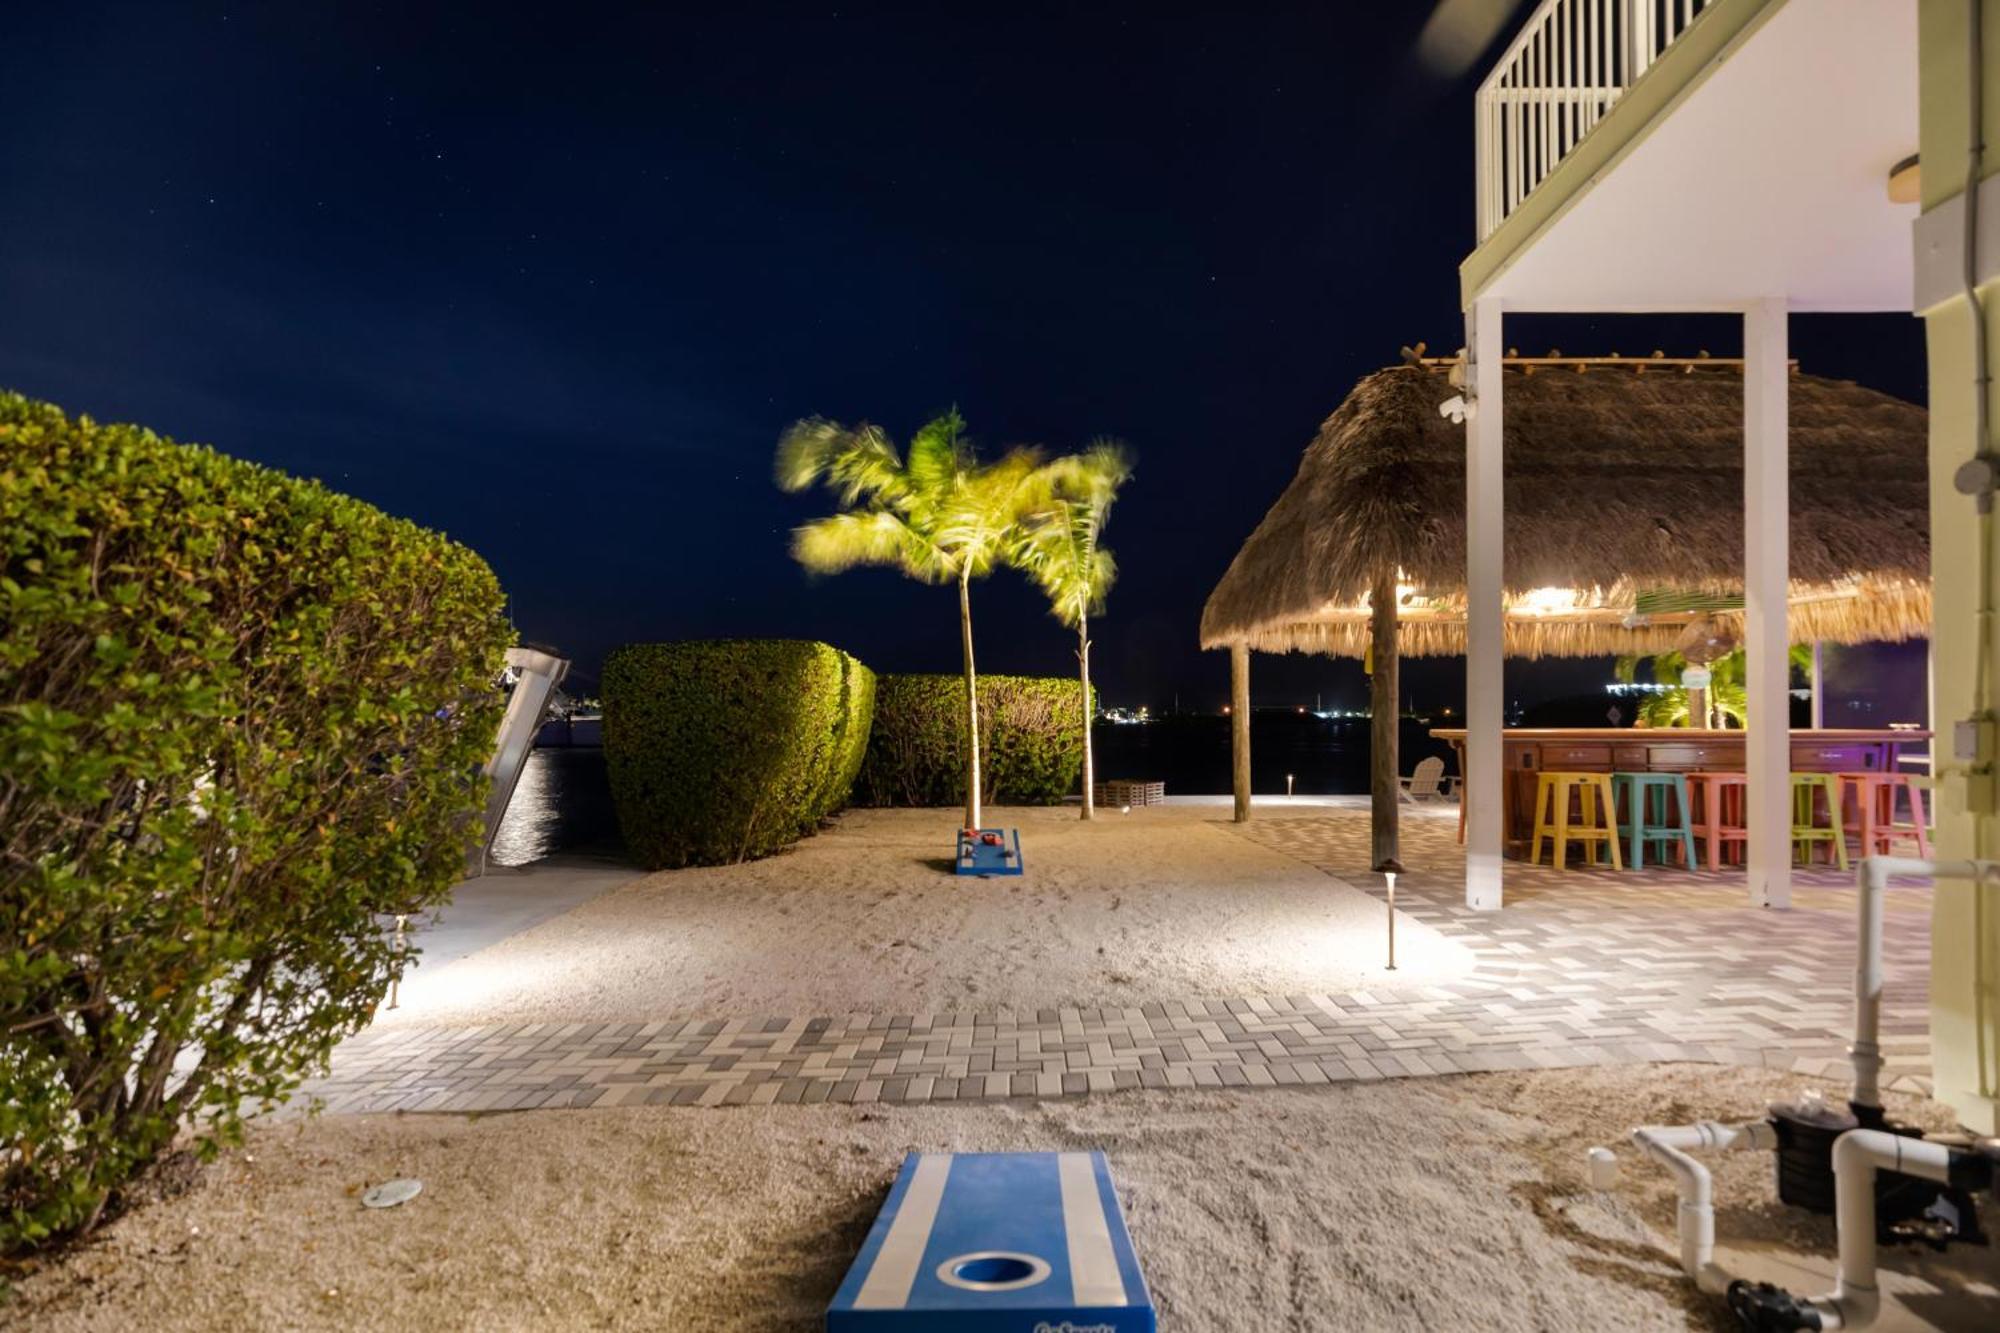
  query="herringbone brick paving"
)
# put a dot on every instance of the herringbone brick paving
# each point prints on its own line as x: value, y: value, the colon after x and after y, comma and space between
x: 1581, y: 968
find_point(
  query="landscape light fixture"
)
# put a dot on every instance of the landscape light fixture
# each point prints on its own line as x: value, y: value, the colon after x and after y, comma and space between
x: 1390, y: 875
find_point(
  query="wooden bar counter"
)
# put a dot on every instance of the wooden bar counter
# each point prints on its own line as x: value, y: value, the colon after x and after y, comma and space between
x: 1528, y: 751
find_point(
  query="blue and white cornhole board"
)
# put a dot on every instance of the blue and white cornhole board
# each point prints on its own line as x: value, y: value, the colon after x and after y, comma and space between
x: 1018, y: 1242
x: 977, y: 856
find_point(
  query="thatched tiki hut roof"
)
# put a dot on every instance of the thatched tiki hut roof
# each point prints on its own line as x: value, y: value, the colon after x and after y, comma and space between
x: 1623, y: 533
x: 1624, y: 515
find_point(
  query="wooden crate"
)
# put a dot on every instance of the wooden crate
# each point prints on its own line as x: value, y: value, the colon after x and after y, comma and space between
x: 1131, y: 793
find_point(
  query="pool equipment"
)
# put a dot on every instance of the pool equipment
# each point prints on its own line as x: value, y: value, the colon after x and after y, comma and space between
x: 1015, y: 1242
x: 988, y: 851
x: 1885, y: 1183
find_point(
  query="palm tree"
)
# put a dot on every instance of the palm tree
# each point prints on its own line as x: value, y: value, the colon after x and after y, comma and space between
x: 1727, y: 693
x: 1060, y: 549
x: 940, y: 516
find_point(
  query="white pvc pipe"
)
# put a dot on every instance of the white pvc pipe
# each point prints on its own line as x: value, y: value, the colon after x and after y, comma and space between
x: 1670, y: 1145
x: 1857, y: 1155
x: 1870, y: 881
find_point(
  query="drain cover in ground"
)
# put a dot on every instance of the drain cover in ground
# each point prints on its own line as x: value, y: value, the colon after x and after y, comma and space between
x: 392, y: 1192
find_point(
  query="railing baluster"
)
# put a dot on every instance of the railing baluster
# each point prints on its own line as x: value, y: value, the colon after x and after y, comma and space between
x: 1542, y: 85
x: 1566, y: 70
x: 1563, y: 72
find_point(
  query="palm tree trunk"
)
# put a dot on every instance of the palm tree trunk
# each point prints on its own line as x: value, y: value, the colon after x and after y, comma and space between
x: 1385, y: 831
x: 1083, y: 665
x: 971, y: 699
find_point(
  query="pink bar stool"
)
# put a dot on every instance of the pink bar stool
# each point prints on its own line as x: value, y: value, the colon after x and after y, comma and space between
x: 1868, y: 810
x: 1718, y: 815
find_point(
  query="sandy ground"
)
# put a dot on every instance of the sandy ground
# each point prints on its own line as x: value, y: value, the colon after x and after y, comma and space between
x: 1164, y: 903
x: 1419, y: 1204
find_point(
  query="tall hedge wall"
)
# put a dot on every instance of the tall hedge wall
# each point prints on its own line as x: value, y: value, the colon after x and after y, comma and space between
x: 727, y: 749
x: 1031, y: 741
x: 239, y: 715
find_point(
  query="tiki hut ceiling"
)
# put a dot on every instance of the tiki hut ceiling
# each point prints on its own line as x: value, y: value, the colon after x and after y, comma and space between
x: 1624, y: 522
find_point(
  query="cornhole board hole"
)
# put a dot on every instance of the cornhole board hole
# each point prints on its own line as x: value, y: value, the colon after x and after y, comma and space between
x: 988, y: 851
x: 996, y: 1243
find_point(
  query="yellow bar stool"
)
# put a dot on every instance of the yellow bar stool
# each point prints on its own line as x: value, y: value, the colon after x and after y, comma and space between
x: 1595, y: 822
x: 1808, y: 790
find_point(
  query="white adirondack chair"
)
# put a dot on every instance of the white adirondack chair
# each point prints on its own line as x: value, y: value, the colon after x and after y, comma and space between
x: 1427, y: 781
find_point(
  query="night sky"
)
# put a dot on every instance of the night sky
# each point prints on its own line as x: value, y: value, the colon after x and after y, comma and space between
x: 554, y: 277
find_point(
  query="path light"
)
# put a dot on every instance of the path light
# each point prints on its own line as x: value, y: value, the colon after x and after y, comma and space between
x: 1288, y: 784
x: 1390, y: 875
x: 396, y: 982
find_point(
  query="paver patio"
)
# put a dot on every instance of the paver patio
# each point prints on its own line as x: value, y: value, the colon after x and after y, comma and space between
x: 1581, y: 968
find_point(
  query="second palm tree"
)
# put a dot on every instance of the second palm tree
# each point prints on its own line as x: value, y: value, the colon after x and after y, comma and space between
x: 1061, y: 548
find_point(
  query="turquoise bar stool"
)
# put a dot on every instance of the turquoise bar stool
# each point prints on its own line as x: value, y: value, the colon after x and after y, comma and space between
x: 1653, y: 811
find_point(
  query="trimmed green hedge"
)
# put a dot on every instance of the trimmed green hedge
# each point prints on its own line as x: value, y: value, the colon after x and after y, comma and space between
x: 1031, y: 741
x: 727, y: 749
x: 240, y: 720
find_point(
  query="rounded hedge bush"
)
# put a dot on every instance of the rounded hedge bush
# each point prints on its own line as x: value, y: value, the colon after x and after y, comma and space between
x: 241, y: 718
x: 723, y: 750
x: 1031, y: 741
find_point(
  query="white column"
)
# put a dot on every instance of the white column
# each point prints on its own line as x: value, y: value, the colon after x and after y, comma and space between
x: 1484, y: 641
x: 1766, y: 575
x: 1818, y: 687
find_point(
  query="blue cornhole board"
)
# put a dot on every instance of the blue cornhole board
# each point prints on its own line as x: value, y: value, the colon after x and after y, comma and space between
x: 976, y: 857
x: 1006, y: 1242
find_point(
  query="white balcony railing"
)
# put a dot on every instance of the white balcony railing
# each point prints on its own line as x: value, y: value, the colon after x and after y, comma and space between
x: 1572, y: 60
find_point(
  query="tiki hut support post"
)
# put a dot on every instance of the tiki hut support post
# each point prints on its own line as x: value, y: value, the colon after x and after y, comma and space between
x: 1485, y: 641
x: 1239, y: 726
x: 1818, y: 688
x: 1766, y: 583
x: 1384, y: 763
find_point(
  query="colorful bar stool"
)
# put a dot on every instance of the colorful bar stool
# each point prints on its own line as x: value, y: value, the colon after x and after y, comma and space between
x: 1653, y: 810
x: 1596, y: 822
x: 1718, y: 815
x: 1807, y: 791
x: 1871, y: 815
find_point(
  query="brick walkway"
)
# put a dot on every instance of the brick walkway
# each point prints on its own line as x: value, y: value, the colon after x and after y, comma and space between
x: 1583, y: 968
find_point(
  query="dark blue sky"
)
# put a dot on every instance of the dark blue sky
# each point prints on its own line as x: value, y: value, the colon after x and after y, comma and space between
x: 553, y: 277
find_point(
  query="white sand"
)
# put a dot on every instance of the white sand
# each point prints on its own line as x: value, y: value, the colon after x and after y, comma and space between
x: 1164, y: 903
x: 1420, y: 1204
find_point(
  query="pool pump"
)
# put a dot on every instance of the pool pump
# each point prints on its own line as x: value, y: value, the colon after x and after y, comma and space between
x: 1885, y: 1183
x: 1907, y: 1208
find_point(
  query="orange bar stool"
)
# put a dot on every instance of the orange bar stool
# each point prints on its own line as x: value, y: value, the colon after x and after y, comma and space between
x: 1575, y: 807
x: 1812, y: 795
x: 1718, y: 800
x: 1868, y: 810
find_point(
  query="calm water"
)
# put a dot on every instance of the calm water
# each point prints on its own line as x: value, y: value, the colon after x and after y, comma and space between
x: 561, y: 804
x: 1191, y: 754
x: 563, y: 801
